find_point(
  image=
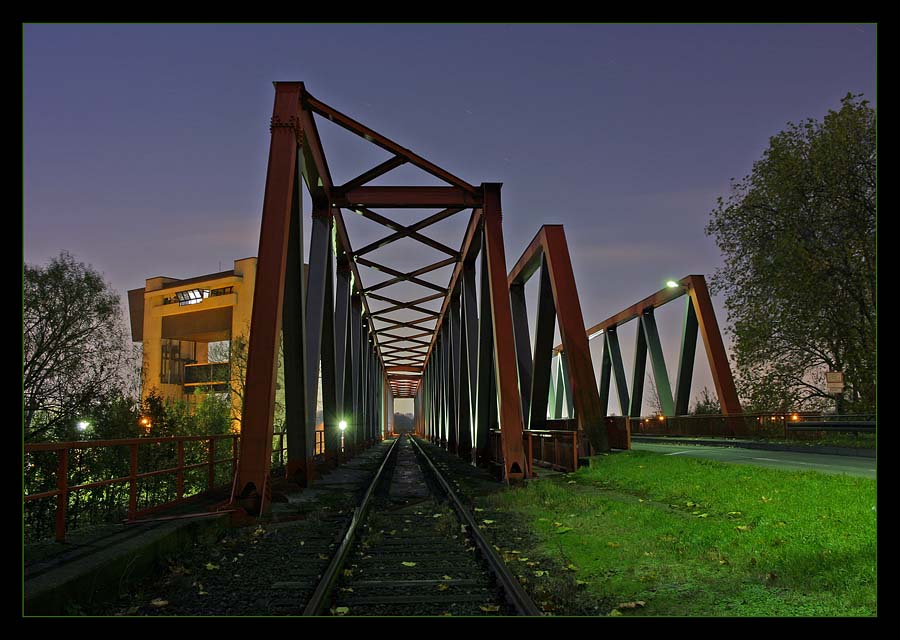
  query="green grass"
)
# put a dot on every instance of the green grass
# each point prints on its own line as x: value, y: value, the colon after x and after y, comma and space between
x: 694, y: 537
x: 850, y: 440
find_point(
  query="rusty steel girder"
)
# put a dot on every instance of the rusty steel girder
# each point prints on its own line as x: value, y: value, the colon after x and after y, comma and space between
x: 698, y: 316
x: 327, y: 322
x: 557, y: 299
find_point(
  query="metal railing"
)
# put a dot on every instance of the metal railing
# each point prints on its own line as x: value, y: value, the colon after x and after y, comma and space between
x: 775, y: 426
x: 557, y: 449
x: 560, y: 446
x: 64, y: 451
x: 279, y: 449
x: 206, y: 373
x: 74, y: 458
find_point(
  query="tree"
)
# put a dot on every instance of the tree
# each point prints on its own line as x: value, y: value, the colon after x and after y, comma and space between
x: 74, y: 346
x: 707, y: 404
x: 798, y: 239
x: 653, y: 399
x: 236, y: 353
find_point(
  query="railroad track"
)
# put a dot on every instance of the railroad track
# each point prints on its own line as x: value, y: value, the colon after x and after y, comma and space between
x: 413, y: 548
x: 384, y: 534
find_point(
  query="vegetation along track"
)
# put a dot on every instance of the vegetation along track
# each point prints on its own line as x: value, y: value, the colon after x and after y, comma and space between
x: 416, y: 551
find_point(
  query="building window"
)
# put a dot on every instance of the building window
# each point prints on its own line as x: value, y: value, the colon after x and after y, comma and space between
x: 175, y: 353
x: 191, y: 296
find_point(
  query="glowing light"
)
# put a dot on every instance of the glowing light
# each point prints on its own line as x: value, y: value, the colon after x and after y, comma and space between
x: 671, y: 284
x: 661, y: 418
x: 795, y: 417
x: 342, y: 425
x: 82, y: 426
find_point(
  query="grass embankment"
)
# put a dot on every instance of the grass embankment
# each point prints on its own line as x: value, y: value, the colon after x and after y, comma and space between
x: 639, y: 533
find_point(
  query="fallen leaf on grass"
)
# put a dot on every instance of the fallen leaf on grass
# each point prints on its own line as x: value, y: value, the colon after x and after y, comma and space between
x: 571, y: 567
x: 443, y: 587
x: 581, y: 583
x: 540, y: 573
x: 690, y: 504
x: 478, y: 509
x: 340, y: 611
x: 159, y: 602
x: 734, y: 514
x: 437, y: 515
x: 563, y: 529
x: 408, y: 564
x: 557, y: 524
x: 348, y: 573
x: 614, y: 545
x: 347, y: 589
x: 615, y: 612
x: 571, y: 482
x: 631, y: 605
x: 765, y: 499
x: 446, y: 577
x: 703, y: 515
x: 211, y: 567
x: 490, y: 608
x: 743, y: 527
x: 488, y: 521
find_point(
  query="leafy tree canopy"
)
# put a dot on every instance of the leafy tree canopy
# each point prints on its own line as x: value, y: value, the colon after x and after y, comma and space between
x: 74, y: 346
x: 798, y: 240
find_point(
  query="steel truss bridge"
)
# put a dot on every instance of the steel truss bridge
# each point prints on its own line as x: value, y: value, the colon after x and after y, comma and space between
x: 468, y: 365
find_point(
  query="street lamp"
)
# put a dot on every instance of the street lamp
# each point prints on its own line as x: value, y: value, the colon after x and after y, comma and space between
x: 82, y: 425
x: 672, y: 284
x: 342, y: 425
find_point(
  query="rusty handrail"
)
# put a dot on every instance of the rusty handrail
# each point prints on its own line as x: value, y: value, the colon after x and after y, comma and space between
x: 63, y: 489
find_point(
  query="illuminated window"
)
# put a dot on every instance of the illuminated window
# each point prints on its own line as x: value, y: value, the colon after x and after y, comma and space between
x: 191, y: 296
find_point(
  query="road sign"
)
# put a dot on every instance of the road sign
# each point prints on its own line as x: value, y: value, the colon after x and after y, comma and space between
x: 834, y: 381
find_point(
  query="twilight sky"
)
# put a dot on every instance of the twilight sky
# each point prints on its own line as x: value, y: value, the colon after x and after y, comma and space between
x: 145, y: 146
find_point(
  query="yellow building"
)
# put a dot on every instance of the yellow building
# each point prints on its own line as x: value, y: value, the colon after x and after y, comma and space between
x: 176, y: 320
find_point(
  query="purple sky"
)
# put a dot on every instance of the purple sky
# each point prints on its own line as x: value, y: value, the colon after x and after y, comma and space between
x: 145, y: 146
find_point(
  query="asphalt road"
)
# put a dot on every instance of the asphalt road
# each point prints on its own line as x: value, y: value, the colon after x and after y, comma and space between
x: 851, y: 465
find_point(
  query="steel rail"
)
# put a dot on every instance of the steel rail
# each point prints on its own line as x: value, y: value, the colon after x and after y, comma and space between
x: 329, y: 577
x: 515, y: 594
